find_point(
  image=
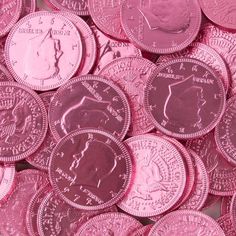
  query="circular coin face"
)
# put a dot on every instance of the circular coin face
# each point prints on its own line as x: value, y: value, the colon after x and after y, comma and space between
x: 205, y: 54
x: 89, y: 102
x: 132, y: 74
x: 184, y: 98
x: 43, y: 50
x: 109, y: 224
x: 54, y: 214
x: 152, y: 26
x: 23, y: 122
x: 106, y: 15
x: 186, y: 222
x: 222, y: 175
x: 82, y: 174
x: 221, y: 12
x: 10, y: 11
x: 225, y: 133
x: 159, y: 179
x: 78, y: 7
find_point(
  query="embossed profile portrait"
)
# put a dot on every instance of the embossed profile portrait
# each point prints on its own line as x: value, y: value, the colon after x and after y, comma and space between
x: 88, y: 112
x: 152, y: 177
x: 15, y: 120
x: 93, y: 163
x: 167, y: 15
x: 42, y: 56
x: 184, y: 103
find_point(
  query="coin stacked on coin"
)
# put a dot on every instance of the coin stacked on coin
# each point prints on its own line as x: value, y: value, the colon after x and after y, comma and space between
x: 117, y: 118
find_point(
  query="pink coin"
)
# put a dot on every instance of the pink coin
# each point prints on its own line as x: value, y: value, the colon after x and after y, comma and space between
x: 86, y: 102
x: 109, y: 224
x: 200, y: 190
x: 33, y: 208
x: 13, y: 212
x: 7, y: 180
x: 215, y: 38
x: 82, y: 175
x: 190, y: 171
x: 211, y: 200
x: 43, y: 50
x: 159, y: 179
x: 23, y: 122
x: 5, y: 74
x: 78, y: 7
x: 226, y: 224
x: 152, y: 26
x: 10, y: 11
x: 29, y: 6
x: 185, y: 98
x: 222, y: 175
x: 110, y: 49
x: 55, y: 217
x: 144, y: 231
x: 225, y: 205
x: 40, y: 158
x: 132, y: 74
x: 225, y: 134
x: 106, y: 15
x: 186, y: 223
x: 49, y: 5
x: 220, y: 12
x: 205, y: 54
x: 88, y: 43
x: 233, y: 211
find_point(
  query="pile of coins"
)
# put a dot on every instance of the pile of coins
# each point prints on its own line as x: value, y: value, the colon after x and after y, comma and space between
x: 117, y: 118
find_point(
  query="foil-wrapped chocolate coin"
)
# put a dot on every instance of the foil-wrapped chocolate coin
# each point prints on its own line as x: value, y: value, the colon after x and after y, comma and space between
x: 82, y: 174
x: 225, y: 205
x: 184, y: 98
x: 43, y: 50
x: 5, y: 74
x: 29, y: 6
x: 89, y: 102
x: 159, y: 179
